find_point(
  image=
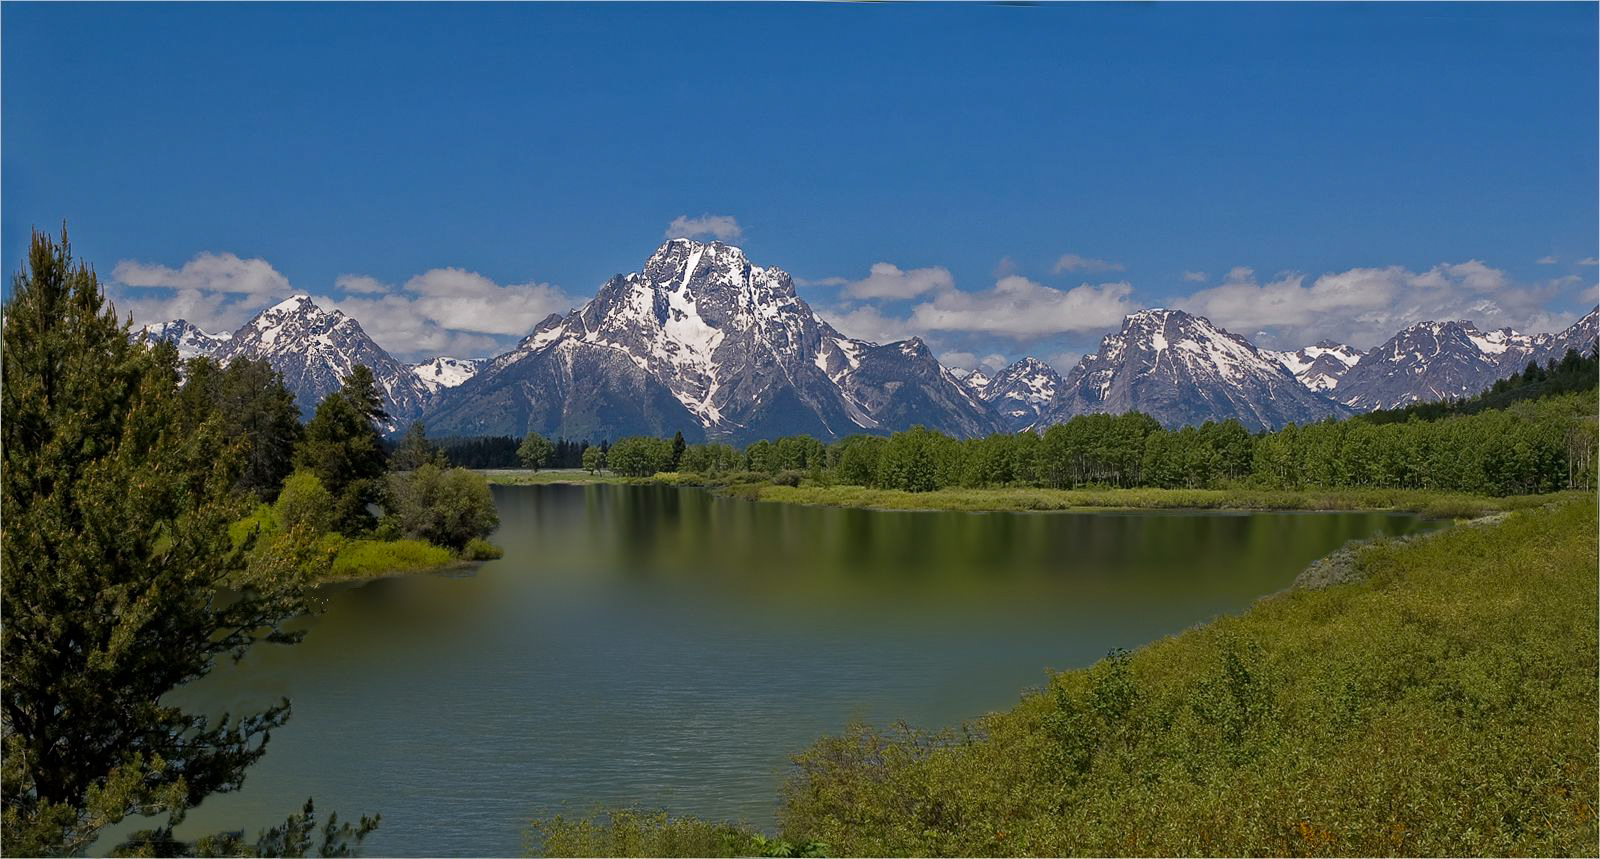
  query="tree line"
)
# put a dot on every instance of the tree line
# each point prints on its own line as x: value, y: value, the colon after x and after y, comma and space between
x: 1533, y: 444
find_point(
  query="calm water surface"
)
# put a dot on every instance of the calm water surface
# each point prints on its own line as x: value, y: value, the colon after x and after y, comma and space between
x: 669, y: 648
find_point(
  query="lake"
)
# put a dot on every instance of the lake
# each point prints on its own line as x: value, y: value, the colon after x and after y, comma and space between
x: 670, y: 648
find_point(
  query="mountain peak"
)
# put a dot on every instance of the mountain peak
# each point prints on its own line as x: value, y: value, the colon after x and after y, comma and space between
x: 293, y: 304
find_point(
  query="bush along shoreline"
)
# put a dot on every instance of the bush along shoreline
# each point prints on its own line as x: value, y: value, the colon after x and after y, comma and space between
x: 1438, y: 700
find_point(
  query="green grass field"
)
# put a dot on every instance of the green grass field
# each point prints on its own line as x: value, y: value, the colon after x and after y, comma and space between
x: 1442, y: 703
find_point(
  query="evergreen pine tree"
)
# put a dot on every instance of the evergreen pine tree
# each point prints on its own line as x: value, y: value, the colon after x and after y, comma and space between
x: 116, y: 499
x: 343, y: 449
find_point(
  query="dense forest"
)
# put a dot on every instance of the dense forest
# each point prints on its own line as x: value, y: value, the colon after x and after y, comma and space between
x: 1534, y: 432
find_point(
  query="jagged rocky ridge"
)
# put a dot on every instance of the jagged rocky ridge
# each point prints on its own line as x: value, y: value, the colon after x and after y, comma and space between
x: 189, y: 339
x: 1181, y: 369
x: 1320, y: 366
x: 1436, y: 361
x: 705, y: 342
x: 1018, y: 393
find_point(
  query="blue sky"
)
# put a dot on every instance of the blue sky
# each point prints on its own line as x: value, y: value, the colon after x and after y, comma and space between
x: 999, y: 179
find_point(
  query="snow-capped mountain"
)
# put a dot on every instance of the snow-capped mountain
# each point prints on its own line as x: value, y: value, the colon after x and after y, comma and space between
x: 315, y: 349
x: 1320, y: 366
x: 1181, y: 369
x: 703, y: 341
x: 1436, y: 361
x: 1581, y: 336
x: 975, y: 380
x: 445, y: 372
x: 189, y: 339
x: 1022, y: 391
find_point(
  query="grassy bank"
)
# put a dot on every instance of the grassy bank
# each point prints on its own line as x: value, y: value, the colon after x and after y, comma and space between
x: 366, y: 558
x: 546, y: 476
x: 1025, y: 499
x: 1442, y: 703
x: 1430, y: 503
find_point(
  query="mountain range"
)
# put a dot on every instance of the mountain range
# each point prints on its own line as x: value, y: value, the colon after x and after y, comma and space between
x: 705, y: 342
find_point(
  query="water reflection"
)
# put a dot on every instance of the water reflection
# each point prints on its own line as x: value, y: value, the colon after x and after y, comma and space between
x: 657, y: 646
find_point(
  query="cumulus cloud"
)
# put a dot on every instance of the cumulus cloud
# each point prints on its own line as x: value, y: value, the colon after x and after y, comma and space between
x: 959, y: 360
x: 1021, y: 309
x: 216, y: 291
x: 1065, y: 361
x: 395, y: 322
x: 885, y: 281
x: 820, y: 281
x: 360, y: 284
x: 1194, y: 276
x: 468, y: 301
x: 1073, y: 262
x: 443, y: 310
x: 865, y: 322
x: 448, y: 311
x: 213, y: 312
x: 1547, y: 260
x: 213, y: 272
x: 1365, y: 306
x: 721, y: 227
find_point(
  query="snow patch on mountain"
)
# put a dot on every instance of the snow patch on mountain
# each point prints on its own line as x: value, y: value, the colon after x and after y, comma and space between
x: 445, y: 372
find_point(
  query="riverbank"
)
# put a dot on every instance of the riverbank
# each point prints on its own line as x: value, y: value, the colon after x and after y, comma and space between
x: 1431, y: 503
x: 352, y: 559
x: 1425, y: 502
x: 1443, y: 701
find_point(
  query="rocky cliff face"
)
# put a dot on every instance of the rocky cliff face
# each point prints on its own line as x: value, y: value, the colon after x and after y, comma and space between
x: 315, y: 349
x: 1181, y: 369
x: 1435, y: 361
x: 703, y: 341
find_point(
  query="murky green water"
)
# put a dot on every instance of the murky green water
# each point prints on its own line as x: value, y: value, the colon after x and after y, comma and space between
x: 669, y: 648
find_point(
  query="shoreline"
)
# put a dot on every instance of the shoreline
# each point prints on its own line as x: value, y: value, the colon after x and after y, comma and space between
x: 1434, y: 504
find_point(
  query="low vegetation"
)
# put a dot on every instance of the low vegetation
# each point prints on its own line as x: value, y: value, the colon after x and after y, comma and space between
x: 1426, y: 502
x: 1444, y: 702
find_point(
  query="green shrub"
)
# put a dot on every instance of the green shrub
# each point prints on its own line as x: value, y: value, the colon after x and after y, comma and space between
x: 262, y: 521
x: 479, y: 549
x: 787, y: 477
x: 361, y: 558
x: 444, y: 506
x: 635, y: 833
x: 303, y: 502
x: 1444, y: 704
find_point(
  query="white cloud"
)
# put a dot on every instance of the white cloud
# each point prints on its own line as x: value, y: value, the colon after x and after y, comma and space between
x: 994, y: 361
x: 360, y: 284
x: 821, y: 281
x: 1021, y: 309
x: 1073, y: 262
x: 1194, y: 276
x: 1365, y: 306
x: 212, y: 272
x: 394, y: 321
x: 866, y: 322
x: 467, y: 301
x: 449, y: 311
x: 721, y: 227
x: 213, y: 312
x: 1588, y: 261
x: 890, y: 282
x: 1065, y: 361
x: 1547, y: 260
x: 959, y: 360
